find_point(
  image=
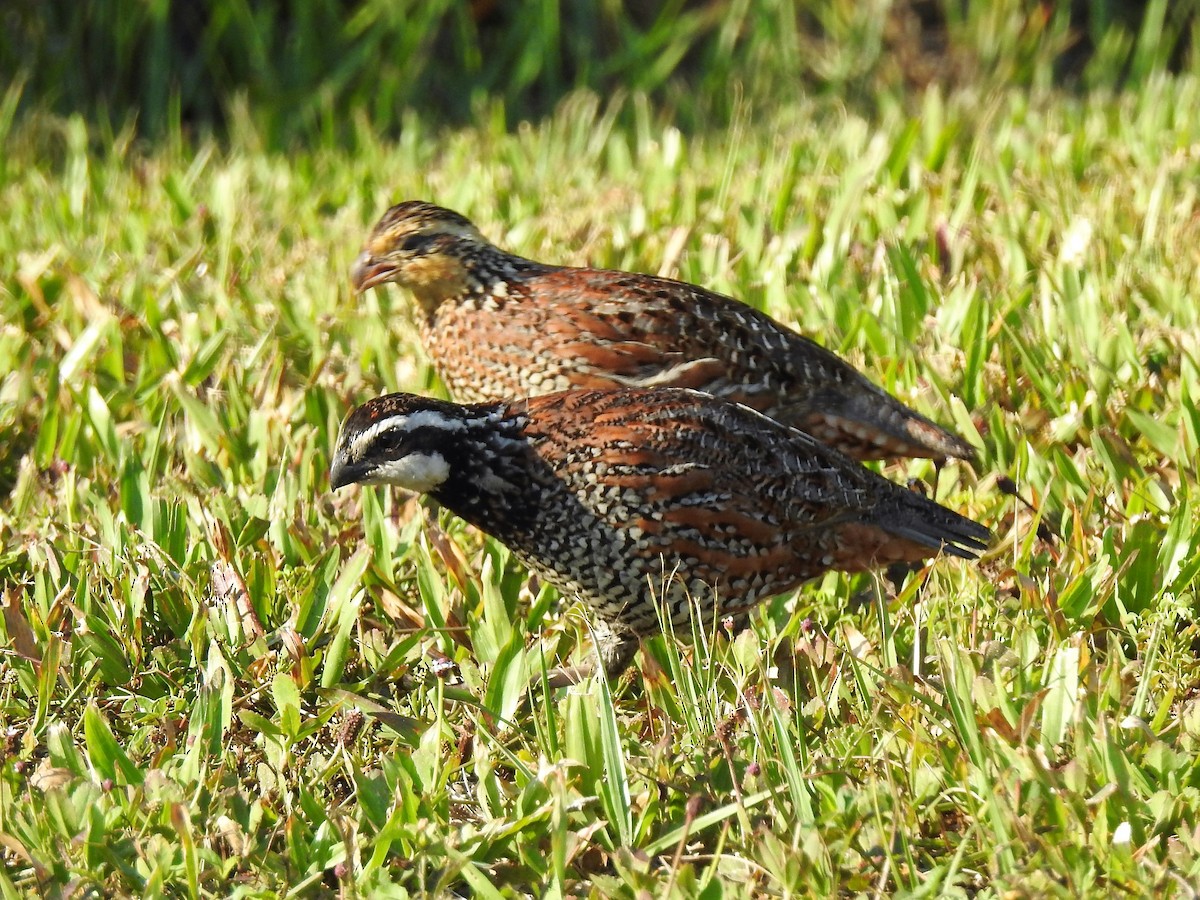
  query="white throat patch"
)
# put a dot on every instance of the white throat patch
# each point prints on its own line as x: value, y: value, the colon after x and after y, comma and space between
x: 420, y: 472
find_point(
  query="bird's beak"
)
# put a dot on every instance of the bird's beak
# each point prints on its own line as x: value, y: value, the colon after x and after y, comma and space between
x: 343, y: 472
x: 369, y: 271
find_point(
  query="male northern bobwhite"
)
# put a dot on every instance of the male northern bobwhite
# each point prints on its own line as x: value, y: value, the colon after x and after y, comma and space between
x: 498, y: 326
x: 618, y: 497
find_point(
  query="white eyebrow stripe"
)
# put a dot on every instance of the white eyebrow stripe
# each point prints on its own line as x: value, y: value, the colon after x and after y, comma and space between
x: 411, y: 422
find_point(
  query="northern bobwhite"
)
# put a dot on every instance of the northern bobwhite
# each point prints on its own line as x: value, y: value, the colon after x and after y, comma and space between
x: 618, y: 497
x: 498, y: 326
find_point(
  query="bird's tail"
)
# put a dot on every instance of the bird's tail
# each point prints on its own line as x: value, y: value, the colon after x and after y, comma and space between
x: 929, y: 525
x: 905, y: 527
x: 887, y: 428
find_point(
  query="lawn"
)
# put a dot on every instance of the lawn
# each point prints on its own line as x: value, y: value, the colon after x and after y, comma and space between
x: 219, y: 679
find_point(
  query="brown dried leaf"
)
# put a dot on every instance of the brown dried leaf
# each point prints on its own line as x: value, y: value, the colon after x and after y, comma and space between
x: 20, y: 634
x: 228, y: 587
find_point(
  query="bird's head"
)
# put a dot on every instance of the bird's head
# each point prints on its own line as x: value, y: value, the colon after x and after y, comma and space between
x: 397, y: 439
x: 422, y: 247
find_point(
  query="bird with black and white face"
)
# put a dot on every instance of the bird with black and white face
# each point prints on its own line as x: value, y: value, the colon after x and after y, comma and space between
x: 498, y: 326
x: 629, y: 499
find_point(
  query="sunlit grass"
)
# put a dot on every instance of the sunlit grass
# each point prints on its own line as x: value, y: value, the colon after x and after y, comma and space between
x: 192, y: 619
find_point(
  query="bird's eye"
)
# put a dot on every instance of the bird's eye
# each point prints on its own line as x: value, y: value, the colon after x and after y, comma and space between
x: 393, y: 441
x: 415, y: 242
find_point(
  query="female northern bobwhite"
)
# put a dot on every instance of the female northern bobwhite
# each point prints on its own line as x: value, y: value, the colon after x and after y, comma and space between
x: 619, y: 497
x: 498, y: 326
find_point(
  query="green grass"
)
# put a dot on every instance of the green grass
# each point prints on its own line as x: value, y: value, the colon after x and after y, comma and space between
x: 300, y: 66
x: 193, y: 623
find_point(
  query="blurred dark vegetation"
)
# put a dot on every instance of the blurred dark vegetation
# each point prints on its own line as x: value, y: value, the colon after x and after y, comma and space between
x: 304, y: 69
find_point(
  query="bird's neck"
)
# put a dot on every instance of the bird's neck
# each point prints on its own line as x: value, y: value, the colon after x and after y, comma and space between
x: 489, y: 484
x: 471, y: 271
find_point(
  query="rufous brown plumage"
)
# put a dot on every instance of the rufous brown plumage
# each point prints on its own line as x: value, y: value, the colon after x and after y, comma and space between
x: 628, y: 498
x: 499, y: 326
